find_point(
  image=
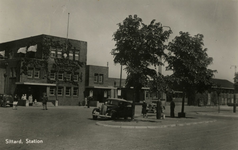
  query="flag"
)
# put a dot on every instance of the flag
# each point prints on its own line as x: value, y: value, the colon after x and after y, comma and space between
x: 32, y: 48
x: 22, y: 50
x: 2, y: 53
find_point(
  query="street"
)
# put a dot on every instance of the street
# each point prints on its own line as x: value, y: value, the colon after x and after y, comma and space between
x: 72, y: 127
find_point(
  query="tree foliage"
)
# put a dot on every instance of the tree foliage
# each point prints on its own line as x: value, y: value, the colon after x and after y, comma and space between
x: 139, y: 47
x: 189, y: 62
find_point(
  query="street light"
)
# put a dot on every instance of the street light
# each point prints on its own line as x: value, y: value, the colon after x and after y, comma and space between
x: 235, y: 88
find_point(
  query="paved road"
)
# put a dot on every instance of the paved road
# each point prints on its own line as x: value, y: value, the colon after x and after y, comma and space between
x: 69, y: 128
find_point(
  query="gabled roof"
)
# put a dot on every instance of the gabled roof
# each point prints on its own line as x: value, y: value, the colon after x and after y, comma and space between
x: 222, y: 83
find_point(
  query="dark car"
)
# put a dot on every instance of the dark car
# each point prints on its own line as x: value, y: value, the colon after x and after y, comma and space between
x: 113, y: 108
x: 6, y: 100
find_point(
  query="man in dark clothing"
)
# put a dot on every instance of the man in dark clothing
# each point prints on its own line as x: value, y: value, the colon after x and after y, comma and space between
x: 44, y: 101
x: 144, y: 111
x: 172, y: 106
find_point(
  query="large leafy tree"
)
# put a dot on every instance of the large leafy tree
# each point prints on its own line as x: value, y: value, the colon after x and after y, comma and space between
x: 139, y: 47
x: 189, y: 62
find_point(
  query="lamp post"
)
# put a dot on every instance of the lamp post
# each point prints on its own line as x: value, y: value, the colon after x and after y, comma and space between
x: 235, y: 88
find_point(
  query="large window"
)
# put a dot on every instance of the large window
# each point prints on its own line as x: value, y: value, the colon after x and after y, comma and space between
x: 76, y: 55
x: 60, y: 76
x: 30, y: 73
x: 68, y: 77
x: 59, y: 53
x: 68, y: 91
x: 13, y: 72
x: 52, y: 75
x: 75, y: 77
x: 52, y: 52
x: 71, y: 55
x: 95, y: 77
x: 37, y: 73
x: 52, y: 91
x: 75, y: 91
x: 100, y: 78
x: 60, y: 91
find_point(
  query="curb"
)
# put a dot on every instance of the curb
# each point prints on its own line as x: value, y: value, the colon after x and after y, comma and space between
x: 154, y: 127
x: 217, y: 115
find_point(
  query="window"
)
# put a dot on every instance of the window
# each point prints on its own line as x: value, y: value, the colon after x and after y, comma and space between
x: 29, y: 73
x: 95, y: 77
x: 13, y: 72
x: 68, y: 91
x: 75, y: 77
x: 100, y: 78
x: 68, y: 77
x: 52, y: 75
x: 37, y: 73
x: 59, y: 54
x: 60, y: 91
x: 52, y: 91
x: 52, y: 52
x: 60, y: 76
x: 75, y: 91
x: 76, y: 56
x: 71, y: 56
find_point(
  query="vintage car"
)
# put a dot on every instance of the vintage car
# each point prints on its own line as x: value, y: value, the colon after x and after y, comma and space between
x: 6, y: 100
x: 113, y: 108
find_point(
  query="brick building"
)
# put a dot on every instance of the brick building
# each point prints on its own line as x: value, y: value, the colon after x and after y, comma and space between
x: 44, y: 63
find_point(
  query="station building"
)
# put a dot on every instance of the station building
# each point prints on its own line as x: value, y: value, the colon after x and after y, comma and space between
x: 58, y: 66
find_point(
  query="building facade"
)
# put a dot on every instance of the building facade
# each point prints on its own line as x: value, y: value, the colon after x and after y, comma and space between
x: 44, y: 64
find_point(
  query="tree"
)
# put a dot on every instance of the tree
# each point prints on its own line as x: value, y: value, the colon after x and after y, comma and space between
x: 189, y: 61
x: 138, y: 47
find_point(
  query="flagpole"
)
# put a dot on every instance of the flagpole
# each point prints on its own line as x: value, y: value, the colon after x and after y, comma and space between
x: 67, y: 32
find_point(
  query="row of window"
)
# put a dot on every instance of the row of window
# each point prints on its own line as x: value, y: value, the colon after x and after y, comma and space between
x: 35, y: 73
x: 62, y: 75
x: 64, y: 91
x: 57, y: 53
x: 98, y: 78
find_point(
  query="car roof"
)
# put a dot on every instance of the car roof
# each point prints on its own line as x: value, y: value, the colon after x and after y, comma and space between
x: 118, y: 99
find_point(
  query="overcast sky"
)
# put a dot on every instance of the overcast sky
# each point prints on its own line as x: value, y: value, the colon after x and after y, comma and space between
x: 95, y: 21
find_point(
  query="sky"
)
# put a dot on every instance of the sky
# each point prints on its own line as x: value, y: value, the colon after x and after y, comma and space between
x: 95, y: 21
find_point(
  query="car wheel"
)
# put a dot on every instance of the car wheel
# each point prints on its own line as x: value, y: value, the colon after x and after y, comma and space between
x: 95, y: 117
x: 114, y: 116
x: 125, y: 118
x: 93, y: 112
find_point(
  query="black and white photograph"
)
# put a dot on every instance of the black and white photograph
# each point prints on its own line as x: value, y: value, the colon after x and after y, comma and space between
x: 118, y: 74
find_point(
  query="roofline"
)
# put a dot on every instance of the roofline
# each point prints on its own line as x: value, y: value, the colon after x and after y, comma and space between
x: 42, y: 36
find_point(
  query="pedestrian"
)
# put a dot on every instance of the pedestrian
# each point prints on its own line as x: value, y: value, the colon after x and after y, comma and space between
x: 44, y: 101
x: 15, y: 102
x: 144, y: 109
x: 172, y: 106
x: 88, y: 102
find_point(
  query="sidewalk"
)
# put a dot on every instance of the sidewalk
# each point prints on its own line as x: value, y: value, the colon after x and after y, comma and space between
x: 192, y: 118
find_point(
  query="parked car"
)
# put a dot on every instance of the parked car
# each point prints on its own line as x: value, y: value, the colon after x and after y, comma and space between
x: 113, y: 108
x: 6, y: 100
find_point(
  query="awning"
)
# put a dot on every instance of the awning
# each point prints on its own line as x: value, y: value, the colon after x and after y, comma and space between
x: 32, y: 83
x: 101, y: 87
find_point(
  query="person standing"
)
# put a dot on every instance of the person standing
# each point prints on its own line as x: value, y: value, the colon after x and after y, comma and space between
x: 144, y: 109
x: 44, y: 101
x: 172, y: 106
